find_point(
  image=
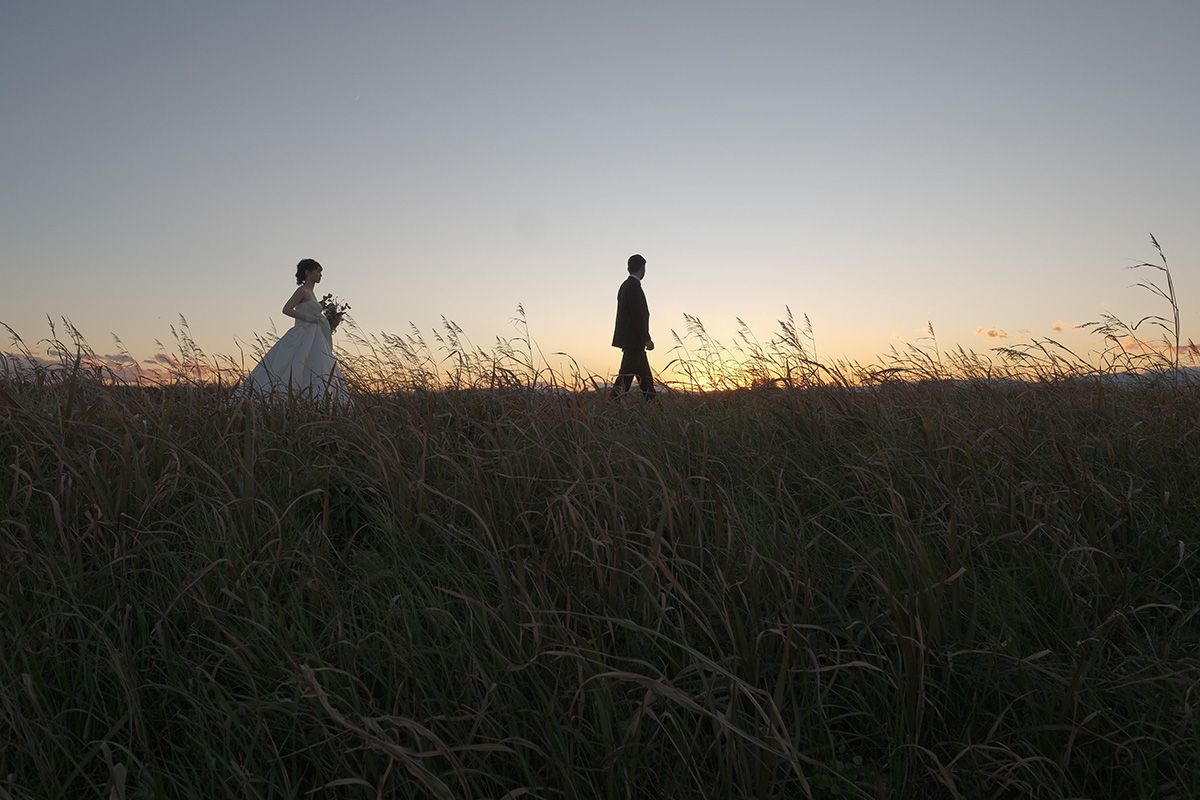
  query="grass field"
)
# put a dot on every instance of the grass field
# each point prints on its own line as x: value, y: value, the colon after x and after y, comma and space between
x: 938, y: 583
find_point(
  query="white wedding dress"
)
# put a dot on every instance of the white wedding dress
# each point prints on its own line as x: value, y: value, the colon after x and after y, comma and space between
x: 301, y: 363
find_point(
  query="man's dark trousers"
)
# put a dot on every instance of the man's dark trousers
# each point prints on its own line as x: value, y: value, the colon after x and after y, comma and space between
x: 634, y: 361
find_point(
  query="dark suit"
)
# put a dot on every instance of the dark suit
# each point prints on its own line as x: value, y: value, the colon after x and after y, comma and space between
x: 631, y: 334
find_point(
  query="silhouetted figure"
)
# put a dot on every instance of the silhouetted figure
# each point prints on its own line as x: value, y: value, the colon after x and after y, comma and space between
x: 632, y: 332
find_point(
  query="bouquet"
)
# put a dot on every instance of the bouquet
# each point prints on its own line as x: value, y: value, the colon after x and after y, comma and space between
x: 333, y: 309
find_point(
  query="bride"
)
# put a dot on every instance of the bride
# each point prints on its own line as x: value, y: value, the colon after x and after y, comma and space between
x: 301, y: 362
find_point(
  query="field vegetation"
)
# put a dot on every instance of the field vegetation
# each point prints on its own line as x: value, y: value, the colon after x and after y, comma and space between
x: 941, y: 576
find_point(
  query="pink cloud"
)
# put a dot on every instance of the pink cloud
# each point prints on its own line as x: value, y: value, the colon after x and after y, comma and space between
x: 1060, y: 326
x: 163, y: 367
x: 119, y: 367
x: 992, y: 333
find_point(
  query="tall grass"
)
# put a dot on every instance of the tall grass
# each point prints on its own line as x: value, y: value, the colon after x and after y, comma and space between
x: 918, y: 588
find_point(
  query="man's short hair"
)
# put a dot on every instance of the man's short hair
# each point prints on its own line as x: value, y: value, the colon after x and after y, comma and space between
x: 636, y: 262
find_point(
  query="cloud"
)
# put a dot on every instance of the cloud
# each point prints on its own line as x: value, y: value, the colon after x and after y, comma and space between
x: 1060, y: 327
x: 1139, y: 346
x: 120, y: 367
x: 163, y: 367
x: 992, y: 333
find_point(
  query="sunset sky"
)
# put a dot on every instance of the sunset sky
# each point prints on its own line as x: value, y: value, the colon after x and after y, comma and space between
x: 989, y: 168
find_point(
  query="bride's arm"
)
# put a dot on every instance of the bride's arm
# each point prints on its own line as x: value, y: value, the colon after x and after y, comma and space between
x: 289, y: 308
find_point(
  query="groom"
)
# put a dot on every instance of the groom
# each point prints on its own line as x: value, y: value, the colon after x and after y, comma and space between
x: 632, y: 332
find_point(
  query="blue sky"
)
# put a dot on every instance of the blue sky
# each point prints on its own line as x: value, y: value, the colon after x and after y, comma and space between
x: 876, y: 166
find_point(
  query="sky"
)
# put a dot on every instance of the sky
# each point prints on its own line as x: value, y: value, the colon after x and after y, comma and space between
x: 987, y: 169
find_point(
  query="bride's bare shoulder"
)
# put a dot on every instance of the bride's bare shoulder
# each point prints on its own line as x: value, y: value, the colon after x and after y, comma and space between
x: 299, y: 296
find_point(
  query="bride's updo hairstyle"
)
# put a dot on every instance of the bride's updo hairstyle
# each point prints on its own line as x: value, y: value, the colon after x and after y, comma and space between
x: 304, y: 266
